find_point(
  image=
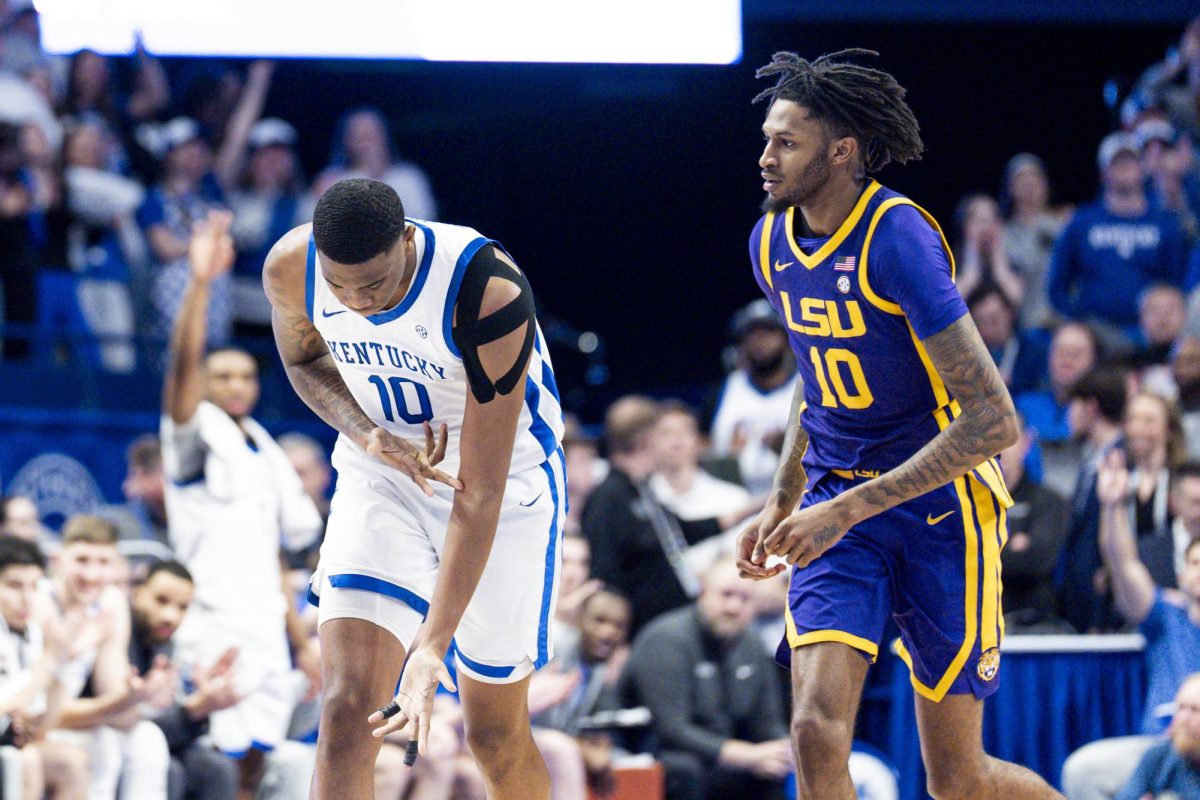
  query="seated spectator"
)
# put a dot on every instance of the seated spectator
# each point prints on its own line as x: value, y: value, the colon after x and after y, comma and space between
x: 19, y: 518
x: 198, y: 770
x: 1172, y: 634
x: 982, y: 255
x: 680, y: 483
x: 1073, y: 352
x: 717, y: 712
x: 1033, y: 228
x: 1114, y: 248
x: 311, y: 463
x: 1161, y: 311
x: 1169, y: 163
x: 1171, y: 768
x: 574, y: 589
x: 143, y: 517
x: 1096, y: 414
x: 362, y: 148
x: 108, y: 712
x: 266, y: 205
x: 751, y: 414
x: 592, y: 667
x: 31, y: 693
x: 1185, y: 506
x: 1020, y: 357
x: 638, y: 545
x: 584, y: 465
x: 1037, y: 531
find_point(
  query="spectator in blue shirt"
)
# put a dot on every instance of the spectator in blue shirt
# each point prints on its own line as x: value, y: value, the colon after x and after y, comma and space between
x: 1115, y: 247
x: 1171, y: 626
x: 1073, y: 353
x: 1172, y: 766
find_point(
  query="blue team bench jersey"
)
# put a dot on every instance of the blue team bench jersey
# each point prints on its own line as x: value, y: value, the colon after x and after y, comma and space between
x: 857, y: 305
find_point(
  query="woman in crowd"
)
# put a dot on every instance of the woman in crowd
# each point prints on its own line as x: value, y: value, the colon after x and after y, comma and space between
x: 362, y: 149
x: 1033, y: 228
x: 982, y: 258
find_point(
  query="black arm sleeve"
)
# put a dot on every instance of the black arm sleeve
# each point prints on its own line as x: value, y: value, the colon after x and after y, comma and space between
x: 471, y: 332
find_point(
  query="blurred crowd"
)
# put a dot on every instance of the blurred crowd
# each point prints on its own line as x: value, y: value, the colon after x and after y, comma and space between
x: 105, y: 166
x: 663, y: 654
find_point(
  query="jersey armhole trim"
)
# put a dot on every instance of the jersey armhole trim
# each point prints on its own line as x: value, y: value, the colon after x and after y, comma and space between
x: 864, y: 282
x: 764, y: 250
x: 460, y: 270
x: 310, y: 277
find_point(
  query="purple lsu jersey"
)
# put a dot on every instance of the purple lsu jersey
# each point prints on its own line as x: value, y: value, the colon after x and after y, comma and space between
x: 857, y: 305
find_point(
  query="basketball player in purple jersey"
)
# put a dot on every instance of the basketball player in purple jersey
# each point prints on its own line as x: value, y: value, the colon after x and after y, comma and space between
x: 890, y: 453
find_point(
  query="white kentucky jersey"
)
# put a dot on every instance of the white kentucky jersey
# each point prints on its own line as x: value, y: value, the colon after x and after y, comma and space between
x: 402, y: 365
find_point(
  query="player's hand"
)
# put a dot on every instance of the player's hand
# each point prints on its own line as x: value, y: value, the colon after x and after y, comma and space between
x: 1112, y: 479
x: 422, y: 674
x: 805, y: 535
x: 751, y: 555
x: 415, y: 463
x: 210, y: 251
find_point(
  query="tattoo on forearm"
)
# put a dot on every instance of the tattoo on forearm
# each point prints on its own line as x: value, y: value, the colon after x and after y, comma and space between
x: 824, y: 537
x: 316, y: 379
x: 790, y: 477
x: 982, y: 430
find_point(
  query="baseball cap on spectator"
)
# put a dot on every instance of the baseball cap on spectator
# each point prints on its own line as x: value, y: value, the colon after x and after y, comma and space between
x: 1114, y: 145
x: 272, y: 131
x: 162, y: 139
x: 758, y: 314
x: 1156, y: 130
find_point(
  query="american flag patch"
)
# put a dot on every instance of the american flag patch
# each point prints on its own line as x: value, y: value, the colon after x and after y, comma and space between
x: 845, y: 264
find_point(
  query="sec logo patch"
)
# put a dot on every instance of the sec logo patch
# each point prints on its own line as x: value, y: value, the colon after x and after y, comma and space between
x: 843, y: 284
x: 989, y: 664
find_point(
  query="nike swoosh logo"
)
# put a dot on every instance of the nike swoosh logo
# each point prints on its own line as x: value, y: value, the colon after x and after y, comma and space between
x: 328, y: 314
x: 932, y: 520
x: 781, y: 267
x: 531, y: 502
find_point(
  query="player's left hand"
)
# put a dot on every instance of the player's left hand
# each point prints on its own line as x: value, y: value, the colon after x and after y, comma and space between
x: 804, y: 535
x: 422, y: 674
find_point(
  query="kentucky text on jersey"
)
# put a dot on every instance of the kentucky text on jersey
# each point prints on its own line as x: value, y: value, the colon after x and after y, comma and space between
x: 381, y: 355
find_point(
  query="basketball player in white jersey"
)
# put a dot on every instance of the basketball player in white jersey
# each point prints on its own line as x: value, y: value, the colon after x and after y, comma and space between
x: 391, y: 329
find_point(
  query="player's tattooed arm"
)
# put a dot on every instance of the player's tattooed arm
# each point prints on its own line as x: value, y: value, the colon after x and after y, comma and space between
x: 786, y: 491
x: 305, y: 356
x: 790, y: 478
x: 986, y: 426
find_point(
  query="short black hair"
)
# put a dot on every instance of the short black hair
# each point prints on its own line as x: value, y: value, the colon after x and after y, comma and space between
x: 357, y: 219
x: 171, y: 567
x: 16, y: 552
x: 986, y: 290
x: 1106, y: 386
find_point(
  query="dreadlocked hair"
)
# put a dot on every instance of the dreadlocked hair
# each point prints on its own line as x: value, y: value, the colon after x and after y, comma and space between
x: 853, y: 100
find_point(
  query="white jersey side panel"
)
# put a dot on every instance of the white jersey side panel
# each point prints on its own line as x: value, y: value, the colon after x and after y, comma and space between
x: 402, y: 365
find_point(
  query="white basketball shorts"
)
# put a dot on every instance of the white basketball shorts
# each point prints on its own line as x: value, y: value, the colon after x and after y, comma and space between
x: 384, y: 542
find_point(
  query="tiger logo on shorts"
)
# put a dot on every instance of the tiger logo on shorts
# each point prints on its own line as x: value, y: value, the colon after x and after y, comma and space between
x: 989, y: 664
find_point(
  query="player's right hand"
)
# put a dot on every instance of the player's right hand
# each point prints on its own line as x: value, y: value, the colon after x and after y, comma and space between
x: 751, y: 557
x: 416, y: 464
